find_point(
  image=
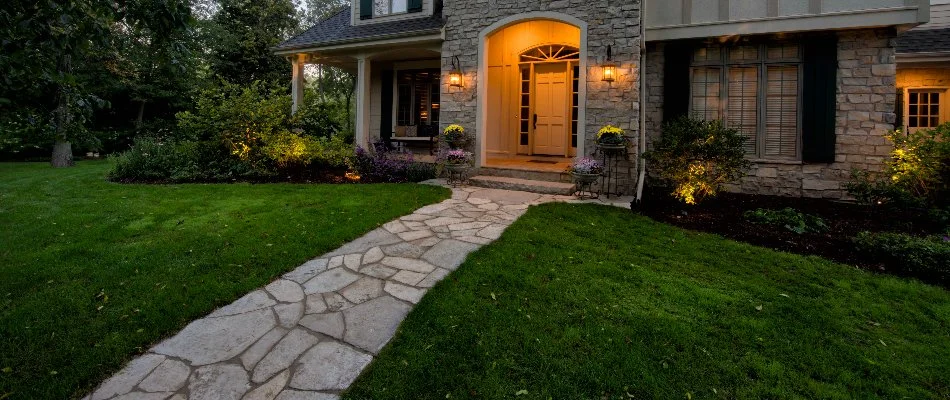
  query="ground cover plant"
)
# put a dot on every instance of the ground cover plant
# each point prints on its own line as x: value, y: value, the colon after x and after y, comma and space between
x: 93, y: 272
x: 582, y: 301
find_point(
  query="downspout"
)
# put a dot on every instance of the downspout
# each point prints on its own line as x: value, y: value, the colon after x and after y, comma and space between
x: 641, y: 147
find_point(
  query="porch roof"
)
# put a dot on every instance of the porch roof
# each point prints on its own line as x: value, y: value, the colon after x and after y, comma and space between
x: 337, y: 30
x: 924, y: 41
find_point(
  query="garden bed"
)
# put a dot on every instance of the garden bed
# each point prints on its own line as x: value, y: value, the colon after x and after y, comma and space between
x: 724, y: 215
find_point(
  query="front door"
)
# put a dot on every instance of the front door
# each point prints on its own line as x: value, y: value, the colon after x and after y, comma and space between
x: 550, y: 108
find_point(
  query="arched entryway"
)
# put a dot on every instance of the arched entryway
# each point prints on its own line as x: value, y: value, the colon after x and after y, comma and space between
x: 532, y: 99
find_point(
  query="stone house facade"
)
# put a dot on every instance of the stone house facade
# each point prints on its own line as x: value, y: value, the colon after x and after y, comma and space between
x: 812, y: 83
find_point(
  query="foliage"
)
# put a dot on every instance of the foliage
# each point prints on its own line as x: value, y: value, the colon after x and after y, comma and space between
x: 456, y: 137
x: 917, y: 174
x: 611, y: 135
x: 586, y: 165
x: 317, y: 119
x: 925, y: 258
x: 89, y: 282
x: 566, y: 306
x: 244, y: 33
x: 384, y: 165
x: 698, y: 157
x: 789, y: 218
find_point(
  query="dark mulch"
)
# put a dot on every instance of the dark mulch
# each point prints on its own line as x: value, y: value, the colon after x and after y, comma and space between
x: 724, y: 216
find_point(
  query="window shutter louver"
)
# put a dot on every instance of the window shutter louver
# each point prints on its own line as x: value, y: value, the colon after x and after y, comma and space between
x: 819, y: 99
x: 676, y: 81
x: 415, y: 5
x: 742, y: 107
x: 366, y: 9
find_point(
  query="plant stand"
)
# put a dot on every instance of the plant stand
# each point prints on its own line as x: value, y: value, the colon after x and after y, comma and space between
x: 612, y: 154
x: 457, y: 174
x: 584, y: 185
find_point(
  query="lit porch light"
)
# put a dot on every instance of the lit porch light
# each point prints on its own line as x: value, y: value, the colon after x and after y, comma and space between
x: 455, y: 76
x: 610, y: 69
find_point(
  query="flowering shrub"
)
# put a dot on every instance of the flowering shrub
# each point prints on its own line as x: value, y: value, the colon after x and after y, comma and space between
x: 457, y: 157
x: 586, y: 166
x: 611, y: 135
x: 697, y: 157
x: 383, y: 165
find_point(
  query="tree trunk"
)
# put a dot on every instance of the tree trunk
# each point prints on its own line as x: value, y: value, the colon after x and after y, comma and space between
x: 62, y: 155
x: 62, y: 148
x: 138, y: 119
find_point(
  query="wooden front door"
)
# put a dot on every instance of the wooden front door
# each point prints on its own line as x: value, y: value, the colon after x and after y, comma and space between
x: 550, y: 109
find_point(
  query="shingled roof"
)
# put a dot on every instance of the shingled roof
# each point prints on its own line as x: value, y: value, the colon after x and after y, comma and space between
x: 924, y: 41
x: 338, y: 30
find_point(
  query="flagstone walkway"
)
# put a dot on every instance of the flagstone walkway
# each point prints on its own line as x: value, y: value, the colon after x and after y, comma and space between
x: 310, y: 334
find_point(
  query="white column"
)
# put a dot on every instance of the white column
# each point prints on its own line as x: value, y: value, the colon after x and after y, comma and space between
x: 297, y: 82
x: 363, y: 71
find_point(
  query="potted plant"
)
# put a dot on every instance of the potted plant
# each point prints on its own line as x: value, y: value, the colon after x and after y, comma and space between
x: 458, y: 160
x: 586, y: 170
x: 455, y: 136
x: 611, y: 137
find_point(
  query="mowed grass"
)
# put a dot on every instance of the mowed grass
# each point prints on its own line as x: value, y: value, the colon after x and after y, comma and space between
x: 92, y: 272
x: 590, y: 302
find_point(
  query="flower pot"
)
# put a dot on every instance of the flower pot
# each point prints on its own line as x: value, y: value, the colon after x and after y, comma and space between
x: 454, y: 144
x: 457, y: 168
x: 611, y: 146
x: 584, y: 179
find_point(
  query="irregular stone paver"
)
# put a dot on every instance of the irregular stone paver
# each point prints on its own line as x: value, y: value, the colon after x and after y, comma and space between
x: 285, y: 291
x: 370, y: 325
x: 218, y: 382
x: 212, y: 340
x: 309, y: 334
x: 329, y: 366
x: 284, y: 353
x: 271, y: 389
x: 169, y: 376
x: 128, y: 377
x: 327, y: 324
x: 330, y: 281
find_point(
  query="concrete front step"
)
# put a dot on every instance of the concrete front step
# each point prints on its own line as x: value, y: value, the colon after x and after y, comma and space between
x: 524, y: 185
x: 528, y: 174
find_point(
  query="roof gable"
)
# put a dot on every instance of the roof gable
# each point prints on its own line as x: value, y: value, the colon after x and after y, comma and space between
x: 337, y: 29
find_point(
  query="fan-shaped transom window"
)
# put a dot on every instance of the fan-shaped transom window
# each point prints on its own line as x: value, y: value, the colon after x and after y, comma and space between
x: 548, y: 53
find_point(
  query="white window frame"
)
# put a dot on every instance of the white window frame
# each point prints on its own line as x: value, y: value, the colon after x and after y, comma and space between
x: 944, y: 116
x: 762, y: 63
x: 390, y: 13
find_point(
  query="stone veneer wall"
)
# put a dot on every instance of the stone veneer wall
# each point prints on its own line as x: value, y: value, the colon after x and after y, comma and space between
x: 866, y: 97
x: 608, y: 23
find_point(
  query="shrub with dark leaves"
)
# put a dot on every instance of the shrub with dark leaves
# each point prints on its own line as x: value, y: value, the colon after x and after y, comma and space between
x: 384, y: 165
x: 927, y: 258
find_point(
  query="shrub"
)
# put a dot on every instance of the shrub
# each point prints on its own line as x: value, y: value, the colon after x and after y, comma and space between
x: 383, y: 165
x: 149, y: 160
x: 316, y: 120
x: 917, y: 173
x: 788, y: 218
x: 698, y: 157
x: 924, y: 258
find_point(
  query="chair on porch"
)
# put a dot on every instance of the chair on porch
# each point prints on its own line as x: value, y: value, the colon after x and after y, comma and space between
x: 423, y: 134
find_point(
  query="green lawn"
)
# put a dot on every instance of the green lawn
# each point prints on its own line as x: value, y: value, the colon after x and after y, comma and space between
x: 93, y: 272
x: 589, y: 302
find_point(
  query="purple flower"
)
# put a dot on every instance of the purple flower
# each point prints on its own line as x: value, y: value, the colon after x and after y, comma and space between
x: 586, y: 165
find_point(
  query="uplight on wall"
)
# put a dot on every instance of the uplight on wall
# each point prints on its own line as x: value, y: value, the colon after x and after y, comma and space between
x: 455, y: 76
x: 610, y: 69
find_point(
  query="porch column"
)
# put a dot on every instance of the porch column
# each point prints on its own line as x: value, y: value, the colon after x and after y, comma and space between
x: 363, y: 71
x: 297, y: 82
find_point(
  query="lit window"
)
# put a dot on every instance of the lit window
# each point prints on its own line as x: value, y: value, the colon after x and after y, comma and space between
x: 754, y: 89
x: 417, y: 97
x: 924, y: 108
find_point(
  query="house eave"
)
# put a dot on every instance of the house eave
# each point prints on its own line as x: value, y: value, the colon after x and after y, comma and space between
x: 401, y: 38
x: 906, y: 59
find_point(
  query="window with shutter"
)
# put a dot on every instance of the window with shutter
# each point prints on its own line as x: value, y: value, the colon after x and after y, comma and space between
x: 754, y: 88
x: 380, y: 8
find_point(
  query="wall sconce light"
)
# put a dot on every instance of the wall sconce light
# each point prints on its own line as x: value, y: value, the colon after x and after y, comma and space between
x: 455, y: 76
x: 610, y: 69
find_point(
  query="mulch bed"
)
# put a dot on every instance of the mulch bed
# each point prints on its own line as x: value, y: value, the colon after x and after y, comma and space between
x: 724, y: 216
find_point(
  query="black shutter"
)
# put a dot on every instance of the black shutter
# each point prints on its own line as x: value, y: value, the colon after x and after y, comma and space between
x: 366, y: 9
x: 819, y: 99
x: 415, y: 5
x: 899, y: 109
x: 386, y: 106
x: 676, y: 80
